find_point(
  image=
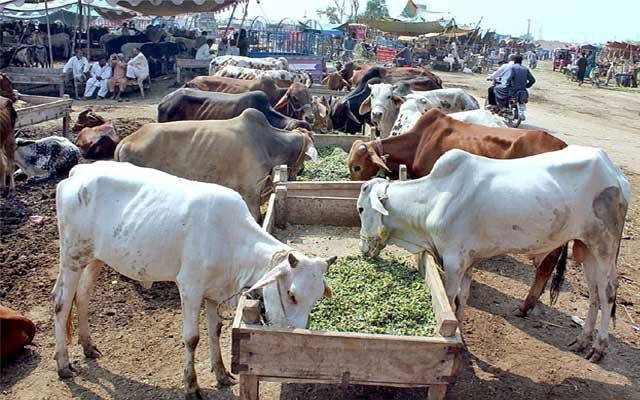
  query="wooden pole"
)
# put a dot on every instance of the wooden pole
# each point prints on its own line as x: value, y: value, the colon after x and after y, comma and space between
x: 229, y: 22
x: 75, y: 30
x: 88, y: 33
x: 46, y: 10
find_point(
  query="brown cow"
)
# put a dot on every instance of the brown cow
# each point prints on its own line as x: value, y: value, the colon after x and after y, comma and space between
x: 8, y: 118
x: 16, y: 332
x: 322, y: 121
x: 335, y: 81
x: 6, y: 88
x: 433, y: 135
x: 274, y: 90
x: 98, y: 142
x: 421, y: 79
x: 297, y: 103
x: 88, y: 119
x: 350, y: 69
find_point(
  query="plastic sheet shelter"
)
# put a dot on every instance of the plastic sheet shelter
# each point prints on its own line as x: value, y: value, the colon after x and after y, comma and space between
x: 395, y: 26
x: 167, y: 8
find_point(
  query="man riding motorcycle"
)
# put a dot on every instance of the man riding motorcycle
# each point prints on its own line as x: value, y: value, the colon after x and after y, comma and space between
x: 514, y: 85
x: 496, y: 78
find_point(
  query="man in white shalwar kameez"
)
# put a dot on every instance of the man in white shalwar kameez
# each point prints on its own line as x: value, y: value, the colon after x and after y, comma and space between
x: 100, y: 74
x: 76, y: 67
x: 138, y: 67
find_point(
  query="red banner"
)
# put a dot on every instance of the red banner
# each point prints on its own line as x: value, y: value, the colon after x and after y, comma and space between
x: 385, y: 55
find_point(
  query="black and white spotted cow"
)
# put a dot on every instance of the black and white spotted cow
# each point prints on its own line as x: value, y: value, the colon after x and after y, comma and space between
x: 45, y: 158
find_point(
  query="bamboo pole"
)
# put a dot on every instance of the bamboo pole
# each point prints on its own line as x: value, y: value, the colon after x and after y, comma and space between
x: 88, y: 33
x: 46, y: 10
x: 226, y: 30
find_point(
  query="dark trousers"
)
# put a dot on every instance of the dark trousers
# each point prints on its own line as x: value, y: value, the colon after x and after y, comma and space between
x: 491, y: 98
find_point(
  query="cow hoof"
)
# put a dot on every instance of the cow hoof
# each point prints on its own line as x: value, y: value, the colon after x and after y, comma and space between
x: 227, y: 380
x: 197, y: 395
x: 91, y: 351
x: 66, y: 372
x: 580, y: 344
x: 520, y: 312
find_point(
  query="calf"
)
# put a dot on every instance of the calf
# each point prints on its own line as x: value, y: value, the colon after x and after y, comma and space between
x: 335, y: 81
x: 8, y: 118
x: 98, y: 142
x: 219, y: 253
x: 45, y: 158
x: 533, y: 205
x: 87, y: 119
x: 17, y: 331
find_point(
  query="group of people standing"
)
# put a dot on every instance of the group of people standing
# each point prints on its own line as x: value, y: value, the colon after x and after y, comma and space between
x: 111, y: 77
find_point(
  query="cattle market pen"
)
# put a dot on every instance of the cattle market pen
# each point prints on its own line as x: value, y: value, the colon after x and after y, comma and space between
x: 36, y: 77
x: 43, y: 109
x: 261, y: 353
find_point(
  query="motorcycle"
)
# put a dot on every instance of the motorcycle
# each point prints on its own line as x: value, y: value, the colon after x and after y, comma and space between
x: 513, y: 113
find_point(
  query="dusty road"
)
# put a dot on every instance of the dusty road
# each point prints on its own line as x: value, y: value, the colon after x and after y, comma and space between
x: 139, y: 330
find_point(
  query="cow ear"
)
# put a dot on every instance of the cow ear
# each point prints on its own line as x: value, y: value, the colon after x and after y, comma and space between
x: 282, y: 102
x: 379, y: 161
x: 322, y: 110
x: 269, y: 277
x: 365, y: 107
x: 293, y: 260
x: 376, y: 202
x: 397, y: 100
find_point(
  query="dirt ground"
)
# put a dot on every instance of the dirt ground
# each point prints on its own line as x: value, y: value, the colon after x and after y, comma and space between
x: 139, y: 330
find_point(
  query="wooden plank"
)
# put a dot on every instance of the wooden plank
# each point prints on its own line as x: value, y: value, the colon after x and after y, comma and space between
x: 402, y: 173
x: 447, y: 324
x: 43, y: 112
x: 251, y: 312
x: 280, y: 207
x: 346, y: 189
x: 319, y: 91
x: 24, y: 70
x: 328, y: 381
x: 192, y: 63
x: 335, y: 211
x: 249, y: 387
x: 270, y: 217
x: 342, y: 141
x: 344, y: 359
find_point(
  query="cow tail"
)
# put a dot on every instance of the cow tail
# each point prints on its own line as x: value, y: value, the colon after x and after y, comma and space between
x: 558, y: 277
x: 116, y: 153
x: 615, y: 294
x: 70, y: 321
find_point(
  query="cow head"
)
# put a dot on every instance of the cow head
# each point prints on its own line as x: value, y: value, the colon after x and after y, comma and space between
x: 297, y: 103
x: 292, y: 286
x: 88, y: 119
x: 335, y: 81
x: 374, y: 235
x: 383, y: 102
x: 364, y: 160
x: 6, y: 88
x: 322, y: 120
x: 98, y: 143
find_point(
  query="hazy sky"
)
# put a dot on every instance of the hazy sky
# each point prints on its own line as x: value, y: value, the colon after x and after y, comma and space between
x: 567, y: 20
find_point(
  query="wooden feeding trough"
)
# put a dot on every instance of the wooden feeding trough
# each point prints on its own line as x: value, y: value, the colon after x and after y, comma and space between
x: 261, y: 353
x: 43, y: 108
x: 36, y: 76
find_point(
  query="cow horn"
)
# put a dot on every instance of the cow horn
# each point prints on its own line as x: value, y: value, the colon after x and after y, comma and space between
x: 352, y: 116
x: 362, y: 149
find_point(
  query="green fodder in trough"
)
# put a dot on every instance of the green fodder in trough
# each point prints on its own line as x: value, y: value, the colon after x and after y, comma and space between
x: 382, y: 296
x: 332, y: 166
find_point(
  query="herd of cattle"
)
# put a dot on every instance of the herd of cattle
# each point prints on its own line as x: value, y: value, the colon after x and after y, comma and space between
x: 478, y: 190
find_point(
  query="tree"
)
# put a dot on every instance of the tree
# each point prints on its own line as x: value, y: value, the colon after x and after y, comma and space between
x: 376, y: 9
x: 341, y: 11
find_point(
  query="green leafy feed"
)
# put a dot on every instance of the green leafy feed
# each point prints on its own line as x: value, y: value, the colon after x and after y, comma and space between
x: 384, y: 296
x: 332, y: 166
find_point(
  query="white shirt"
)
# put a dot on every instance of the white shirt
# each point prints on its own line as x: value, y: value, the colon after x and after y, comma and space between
x: 141, y: 65
x: 499, y: 73
x: 103, y: 72
x: 78, y: 66
x: 203, y: 53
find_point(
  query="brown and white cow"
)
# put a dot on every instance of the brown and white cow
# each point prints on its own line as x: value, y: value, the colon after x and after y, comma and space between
x: 8, y: 118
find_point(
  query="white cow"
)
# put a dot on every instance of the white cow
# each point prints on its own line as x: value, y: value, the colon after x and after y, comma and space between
x: 386, y: 103
x: 247, y: 62
x: 152, y: 226
x: 252, y: 73
x: 472, y: 208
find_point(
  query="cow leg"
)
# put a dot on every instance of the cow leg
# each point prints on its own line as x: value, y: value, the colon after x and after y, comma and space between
x: 455, y: 267
x: 543, y: 273
x: 87, y: 281
x: 584, y: 339
x: 64, y: 292
x: 606, y: 292
x: 214, y: 328
x: 191, y: 298
x: 465, y: 289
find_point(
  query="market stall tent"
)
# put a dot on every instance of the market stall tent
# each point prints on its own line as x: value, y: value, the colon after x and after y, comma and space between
x: 166, y: 8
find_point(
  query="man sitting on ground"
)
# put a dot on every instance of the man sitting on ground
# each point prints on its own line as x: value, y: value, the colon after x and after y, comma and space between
x: 100, y: 74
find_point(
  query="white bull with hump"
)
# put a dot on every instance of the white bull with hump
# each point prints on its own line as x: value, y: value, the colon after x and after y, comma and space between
x: 390, y: 104
x: 471, y: 208
x: 247, y: 62
x: 152, y: 226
